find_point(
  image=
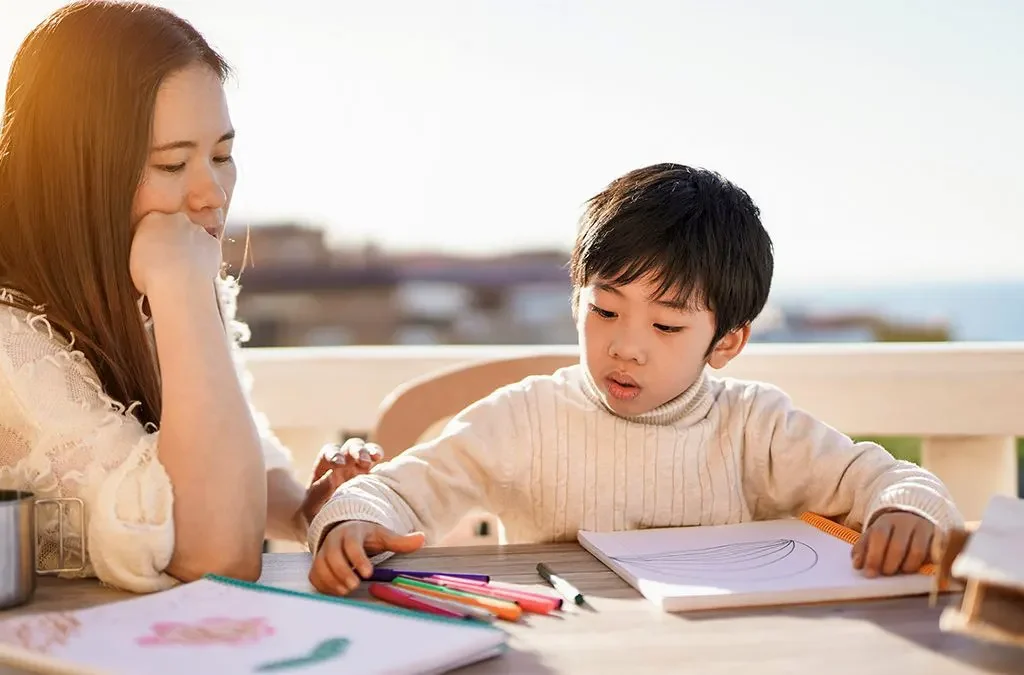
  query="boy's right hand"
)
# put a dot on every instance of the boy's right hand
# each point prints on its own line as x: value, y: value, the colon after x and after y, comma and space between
x: 344, y: 555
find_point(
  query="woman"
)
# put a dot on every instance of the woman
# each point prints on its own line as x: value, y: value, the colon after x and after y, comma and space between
x: 119, y: 361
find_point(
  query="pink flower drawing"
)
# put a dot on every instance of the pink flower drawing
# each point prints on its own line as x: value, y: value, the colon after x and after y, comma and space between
x: 210, y: 631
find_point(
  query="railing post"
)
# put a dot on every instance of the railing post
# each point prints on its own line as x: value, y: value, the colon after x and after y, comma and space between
x: 974, y: 468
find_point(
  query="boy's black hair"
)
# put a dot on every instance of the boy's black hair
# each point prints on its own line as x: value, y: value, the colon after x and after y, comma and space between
x: 696, y: 234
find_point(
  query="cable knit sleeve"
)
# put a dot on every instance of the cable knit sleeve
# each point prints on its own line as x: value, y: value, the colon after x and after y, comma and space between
x: 794, y: 462
x: 61, y: 436
x: 429, y: 487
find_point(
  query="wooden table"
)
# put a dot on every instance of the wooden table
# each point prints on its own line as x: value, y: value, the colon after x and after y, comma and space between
x: 620, y: 632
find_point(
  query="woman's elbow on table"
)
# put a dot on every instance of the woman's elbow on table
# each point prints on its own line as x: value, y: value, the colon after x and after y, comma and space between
x: 147, y: 569
x: 244, y: 567
x: 134, y: 539
x: 132, y: 559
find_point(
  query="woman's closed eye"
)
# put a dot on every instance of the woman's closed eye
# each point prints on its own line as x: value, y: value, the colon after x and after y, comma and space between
x: 603, y: 313
x: 171, y: 168
x: 177, y: 168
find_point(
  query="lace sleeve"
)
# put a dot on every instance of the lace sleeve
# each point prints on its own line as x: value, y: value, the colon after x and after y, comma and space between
x: 275, y: 454
x: 61, y: 436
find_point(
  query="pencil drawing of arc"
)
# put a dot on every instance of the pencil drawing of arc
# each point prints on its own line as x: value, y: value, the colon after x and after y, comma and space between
x: 749, y: 561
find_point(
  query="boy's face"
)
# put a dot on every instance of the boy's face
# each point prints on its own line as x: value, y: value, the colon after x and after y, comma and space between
x: 643, y: 351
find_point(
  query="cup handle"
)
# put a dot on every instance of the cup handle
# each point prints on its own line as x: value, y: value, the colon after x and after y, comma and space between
x: 61, y: 503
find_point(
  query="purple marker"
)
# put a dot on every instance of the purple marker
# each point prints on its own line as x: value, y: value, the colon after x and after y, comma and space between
x: 386, y: 575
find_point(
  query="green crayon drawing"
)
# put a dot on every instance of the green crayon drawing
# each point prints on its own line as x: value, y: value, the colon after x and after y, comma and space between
x: 331, y: 648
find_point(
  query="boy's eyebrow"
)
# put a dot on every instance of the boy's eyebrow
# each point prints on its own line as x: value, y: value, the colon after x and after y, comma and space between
x: 607, y: 288
x: 678, y: 305
x: 174, y: 145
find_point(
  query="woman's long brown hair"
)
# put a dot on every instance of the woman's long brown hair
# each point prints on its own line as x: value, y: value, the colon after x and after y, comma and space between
x: 74, y: 141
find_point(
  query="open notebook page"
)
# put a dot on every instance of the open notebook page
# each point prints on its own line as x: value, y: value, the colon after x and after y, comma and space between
x: 213, y: 626
x: 748, y: 564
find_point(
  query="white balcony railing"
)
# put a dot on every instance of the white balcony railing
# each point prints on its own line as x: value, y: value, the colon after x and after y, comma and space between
x: 965, y: 400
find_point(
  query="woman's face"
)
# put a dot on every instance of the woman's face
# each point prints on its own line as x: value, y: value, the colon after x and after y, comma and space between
x: 189, y: 168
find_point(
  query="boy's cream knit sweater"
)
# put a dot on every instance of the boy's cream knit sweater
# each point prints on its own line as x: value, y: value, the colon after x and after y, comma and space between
x: 547, y: 458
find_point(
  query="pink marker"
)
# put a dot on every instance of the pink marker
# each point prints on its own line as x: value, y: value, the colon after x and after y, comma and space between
x: 461, y: 580
x: 395, y: 596
x: 538, y: 603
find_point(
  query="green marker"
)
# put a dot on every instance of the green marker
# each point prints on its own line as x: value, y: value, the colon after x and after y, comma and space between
x: 504, y: 609
x: 416, y: 583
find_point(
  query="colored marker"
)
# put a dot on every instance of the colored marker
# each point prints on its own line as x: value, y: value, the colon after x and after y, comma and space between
x: 509, y: 611
x: 400, y: 598
x: 463, y: 580
x: 458, y: 608
x: 385, y: 574
x: 505, y: 589
x: 567, y: 590
x: 530, y: 602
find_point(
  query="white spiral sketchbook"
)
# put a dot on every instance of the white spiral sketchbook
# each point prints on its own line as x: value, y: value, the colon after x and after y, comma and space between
x: 218, y: 625
x: 774, y: 562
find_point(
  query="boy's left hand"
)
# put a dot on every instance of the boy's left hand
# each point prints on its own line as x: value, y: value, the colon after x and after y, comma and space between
x: 335, y: 465
x: 897, y: 541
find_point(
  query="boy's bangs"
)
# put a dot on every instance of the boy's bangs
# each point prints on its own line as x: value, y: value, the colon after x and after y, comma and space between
x: 677, y: 283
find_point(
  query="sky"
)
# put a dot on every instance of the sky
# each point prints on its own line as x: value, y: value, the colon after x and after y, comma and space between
x: 881, y: 140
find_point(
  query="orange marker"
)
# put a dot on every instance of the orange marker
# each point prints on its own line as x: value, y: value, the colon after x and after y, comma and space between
x: 530, y: 602
x: 503, y: 609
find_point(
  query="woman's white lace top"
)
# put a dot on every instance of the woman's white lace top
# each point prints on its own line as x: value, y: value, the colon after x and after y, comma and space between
x: 62, y: 436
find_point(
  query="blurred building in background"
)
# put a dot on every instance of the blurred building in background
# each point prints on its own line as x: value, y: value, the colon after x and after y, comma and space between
x: 300, y: 291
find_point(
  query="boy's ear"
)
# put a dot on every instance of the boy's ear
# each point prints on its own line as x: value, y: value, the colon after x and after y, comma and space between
x: 729, y: 347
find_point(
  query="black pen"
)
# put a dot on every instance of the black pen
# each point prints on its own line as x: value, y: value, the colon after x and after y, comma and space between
x: 564, y: 588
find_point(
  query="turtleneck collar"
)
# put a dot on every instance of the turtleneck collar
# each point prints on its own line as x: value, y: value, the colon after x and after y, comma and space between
x: 689, y: 406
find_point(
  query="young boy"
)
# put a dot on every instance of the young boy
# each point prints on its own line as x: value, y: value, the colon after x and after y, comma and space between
x: 670, y: 267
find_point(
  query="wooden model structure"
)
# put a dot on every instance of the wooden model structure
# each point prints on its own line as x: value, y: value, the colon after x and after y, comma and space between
x: 989, y: 562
